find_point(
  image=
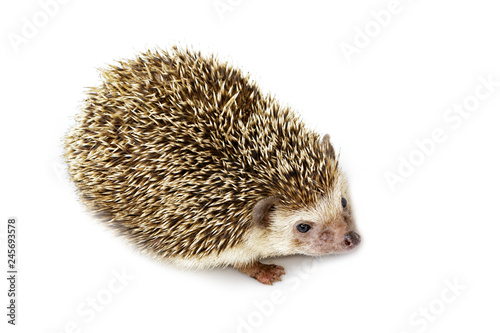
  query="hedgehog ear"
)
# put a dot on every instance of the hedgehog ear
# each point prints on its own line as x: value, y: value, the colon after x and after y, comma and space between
x: 262, y: 209
x: 327, y: 146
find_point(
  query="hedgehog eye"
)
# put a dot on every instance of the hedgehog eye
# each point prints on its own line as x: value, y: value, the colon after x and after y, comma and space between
x: 303, y: 227
x: 272, y: 208
x: 344, y: 202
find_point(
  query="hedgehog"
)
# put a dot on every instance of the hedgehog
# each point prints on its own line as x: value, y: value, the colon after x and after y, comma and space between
x: 184, y: 156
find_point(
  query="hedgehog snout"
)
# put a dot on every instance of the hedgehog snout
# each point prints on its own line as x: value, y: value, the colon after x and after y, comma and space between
x: 351, y: 240
x: 326, y: 236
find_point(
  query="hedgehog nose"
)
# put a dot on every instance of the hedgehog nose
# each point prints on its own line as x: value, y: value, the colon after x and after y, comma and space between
x: 351, y: 240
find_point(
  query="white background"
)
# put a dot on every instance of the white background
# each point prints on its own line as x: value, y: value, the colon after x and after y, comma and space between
x: 438, y: 227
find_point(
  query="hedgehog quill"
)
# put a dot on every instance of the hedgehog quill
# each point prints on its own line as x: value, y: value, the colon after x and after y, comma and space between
x: 188, y: 159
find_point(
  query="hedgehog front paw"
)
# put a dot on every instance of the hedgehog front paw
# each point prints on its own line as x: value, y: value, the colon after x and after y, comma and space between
x: 266, y: 274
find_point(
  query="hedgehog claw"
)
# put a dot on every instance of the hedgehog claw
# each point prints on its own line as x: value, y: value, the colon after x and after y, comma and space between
x: 266, y: 274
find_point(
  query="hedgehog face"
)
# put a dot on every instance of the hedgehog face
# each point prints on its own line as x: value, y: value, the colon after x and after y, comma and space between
x: 327, y: 227
x: 314, y: 238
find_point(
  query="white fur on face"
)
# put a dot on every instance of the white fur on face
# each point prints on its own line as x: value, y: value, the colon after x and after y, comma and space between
x: 329, y: 220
